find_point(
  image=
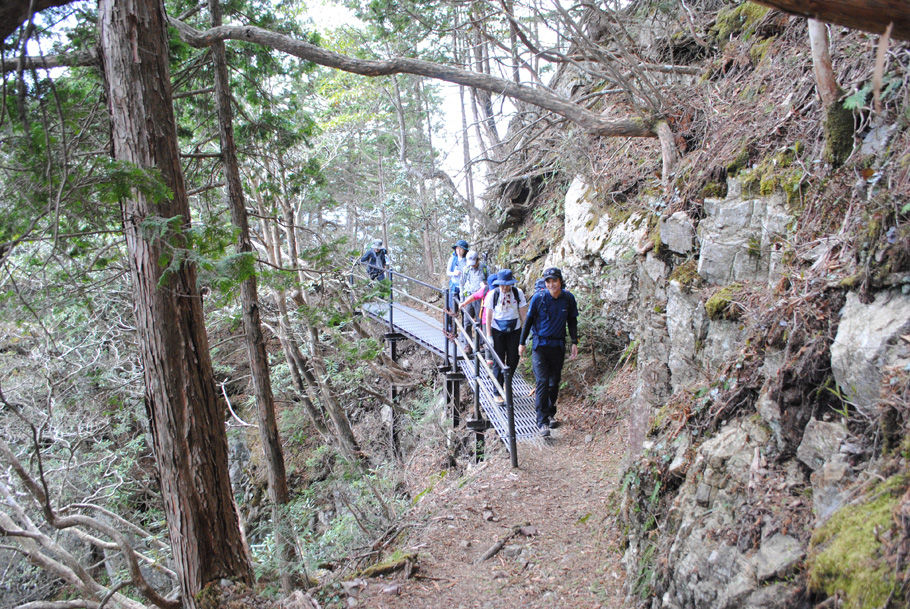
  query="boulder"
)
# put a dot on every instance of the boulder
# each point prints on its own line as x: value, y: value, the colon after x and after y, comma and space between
x: 687, y: 325
x: 723, y: 340
x: 704, y: 568
x: 821, y: 441
x: 740, y: 236
x: 869, y: 340
x: 678, y: 233
x: 830, y: 487
x: 777, y: 556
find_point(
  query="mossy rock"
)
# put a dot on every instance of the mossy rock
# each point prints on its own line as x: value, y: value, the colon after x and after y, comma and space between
x: 759, y: 51
x: 396, y: 562
x: 740, y: 162
x: 714, y: 190
x: 777, y: 173
x: 838, y: 125
x: 847, y: 557
x: 733, y: 20
x: 686, y: 274
x: 722, y: 305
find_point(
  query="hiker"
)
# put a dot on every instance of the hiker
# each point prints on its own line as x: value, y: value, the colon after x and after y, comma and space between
x: 454, y: 270
x: 375, y: 259
x: 549, y: 313
x: 506, y: 309
x: 477, y: 300
x: 472, y: 277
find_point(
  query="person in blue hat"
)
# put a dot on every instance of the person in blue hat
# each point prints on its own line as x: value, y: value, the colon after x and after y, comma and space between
x: 506, y: 309
x: 455, y: 269
x: 476, y: 301
x: 549, y: 314
x: 375, y: 261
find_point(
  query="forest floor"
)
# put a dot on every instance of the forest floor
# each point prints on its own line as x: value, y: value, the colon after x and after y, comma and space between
x: 568, y: 551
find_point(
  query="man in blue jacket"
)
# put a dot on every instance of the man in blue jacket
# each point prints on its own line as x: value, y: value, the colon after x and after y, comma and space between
x: 550, y: 312
x: 375, y: 261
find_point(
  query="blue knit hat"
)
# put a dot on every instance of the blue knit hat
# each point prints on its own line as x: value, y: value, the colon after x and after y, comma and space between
x: 463, y: 244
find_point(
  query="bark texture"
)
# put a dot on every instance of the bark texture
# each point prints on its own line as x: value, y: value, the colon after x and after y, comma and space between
x: 869, y: 15
x: 825, y: 81
x: 249, y: 303
x: 186, y: 418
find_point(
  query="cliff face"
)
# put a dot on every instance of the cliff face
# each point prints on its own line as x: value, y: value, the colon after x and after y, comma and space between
x: 767, y: 293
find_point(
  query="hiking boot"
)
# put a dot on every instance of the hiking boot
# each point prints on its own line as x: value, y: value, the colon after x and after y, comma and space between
x: 499, y: 399
x: 554, y: 423
x: 544, y: 431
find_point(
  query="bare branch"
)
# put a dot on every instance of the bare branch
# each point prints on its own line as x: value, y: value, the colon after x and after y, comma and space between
x: 70, y: 604
x: 593, y: 123
x: 47, y: 62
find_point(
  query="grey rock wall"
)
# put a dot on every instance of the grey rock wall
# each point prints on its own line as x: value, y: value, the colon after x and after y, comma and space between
x: 869, y: 340
x: 719, y: 546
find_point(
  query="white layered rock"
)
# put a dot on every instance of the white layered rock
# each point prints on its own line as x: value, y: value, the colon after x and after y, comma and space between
x: 869, y: 340
x: 740, y: 237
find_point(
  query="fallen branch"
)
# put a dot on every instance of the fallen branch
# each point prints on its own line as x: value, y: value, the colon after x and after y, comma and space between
x: 496, y: 547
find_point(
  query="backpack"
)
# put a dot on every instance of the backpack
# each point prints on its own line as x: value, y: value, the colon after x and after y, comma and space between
x: 498, y: 292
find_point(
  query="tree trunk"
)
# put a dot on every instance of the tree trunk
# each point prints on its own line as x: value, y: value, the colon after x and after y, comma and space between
x: 483, y: 98
x: 828, y: 89
x: 869, y: 15
x: 249, y: 304
x: 185, y: 414
x: 838, y: 121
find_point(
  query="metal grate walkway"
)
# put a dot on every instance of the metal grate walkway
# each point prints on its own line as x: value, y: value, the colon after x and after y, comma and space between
x: 427, y: 331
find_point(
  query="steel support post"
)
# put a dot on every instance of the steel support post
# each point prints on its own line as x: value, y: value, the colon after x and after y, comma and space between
x: 392, y: 338
x: 479, y: 448
x: 510, y: 408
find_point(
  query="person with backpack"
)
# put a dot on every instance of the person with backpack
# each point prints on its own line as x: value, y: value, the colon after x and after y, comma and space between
x: 454, y: 270
x: 478, y: 298
x: 549, y: 314
x: 375, y: 260
x: 472, y: 277
x: 506, y: 309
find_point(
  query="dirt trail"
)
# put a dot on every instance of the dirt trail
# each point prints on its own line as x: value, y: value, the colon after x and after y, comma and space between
x: 561, y: 493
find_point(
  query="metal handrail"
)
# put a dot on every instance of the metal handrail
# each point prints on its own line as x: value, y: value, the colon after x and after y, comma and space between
x: 504, y: 389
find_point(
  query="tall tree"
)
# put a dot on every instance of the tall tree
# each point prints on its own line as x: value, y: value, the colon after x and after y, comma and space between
x: 249, y: 302
x: 185, y: 415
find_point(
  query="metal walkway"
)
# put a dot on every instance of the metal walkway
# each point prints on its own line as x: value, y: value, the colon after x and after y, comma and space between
x: 427, y: 332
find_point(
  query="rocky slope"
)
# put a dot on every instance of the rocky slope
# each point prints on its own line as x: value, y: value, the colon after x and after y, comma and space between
x: 764, y: 292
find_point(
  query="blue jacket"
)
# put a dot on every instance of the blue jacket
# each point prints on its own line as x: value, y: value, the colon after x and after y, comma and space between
x: 548, y: 318
x: 376, y: 263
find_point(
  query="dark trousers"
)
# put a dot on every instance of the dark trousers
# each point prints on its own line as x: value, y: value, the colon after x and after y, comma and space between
x: 452, y: 295
x: 547, y: 363
x: 505, y: 344
x: 472, y: 311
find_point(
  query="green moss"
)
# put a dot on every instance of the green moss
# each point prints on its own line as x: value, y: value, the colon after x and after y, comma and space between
x: 686, y: 274
x: 759, y: 51
x: 722, y: 304
x: 397, y: 561
x: 736, y: 19
x: 846, y: 555
x: 209, y: 597
x: 777, y: 173
x: 714, y: 190
x: 838, y: 127
x: 740, y: 162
